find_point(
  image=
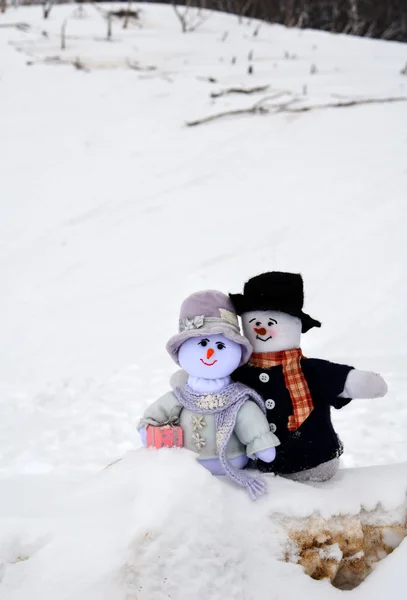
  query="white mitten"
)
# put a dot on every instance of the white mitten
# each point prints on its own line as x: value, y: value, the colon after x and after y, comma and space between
x: 364, y: 384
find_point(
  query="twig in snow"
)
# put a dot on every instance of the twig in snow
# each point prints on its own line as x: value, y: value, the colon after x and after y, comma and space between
x: 260, y: 108
x: 63, y: 34
x: 229, y: 113
x: 78, y: 64
x: 253, y: 90
x: 136, y: 67
x: 47, y: 7
x: 128, y: 13
x: 109, y: 27
x: 257, y: 109
x: 347, y: 103
x: 20, y: 26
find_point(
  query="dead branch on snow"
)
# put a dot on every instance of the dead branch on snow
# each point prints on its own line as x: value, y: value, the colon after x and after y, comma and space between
x: 257, y: 109
x: 261, y: 109
x: 20, y: 26
x: 254, y: 90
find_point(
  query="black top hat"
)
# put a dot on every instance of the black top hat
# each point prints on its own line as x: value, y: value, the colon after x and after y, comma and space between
x: 275, y: 291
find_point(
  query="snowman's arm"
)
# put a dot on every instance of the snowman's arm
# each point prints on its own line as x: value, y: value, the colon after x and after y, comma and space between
x: 178, y: 379
x: 364, y: 384
x: 253, y: 430
x: 164, y: 410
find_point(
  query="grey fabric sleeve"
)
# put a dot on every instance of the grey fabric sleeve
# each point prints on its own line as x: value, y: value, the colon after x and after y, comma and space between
x: 253, y: 430
x: 164, y: 410
x: 178, y: 379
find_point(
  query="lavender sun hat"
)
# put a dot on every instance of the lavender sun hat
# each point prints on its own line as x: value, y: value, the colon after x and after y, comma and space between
x: 208, y: 313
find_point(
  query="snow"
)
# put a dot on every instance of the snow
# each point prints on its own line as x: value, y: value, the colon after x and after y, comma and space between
x: 156, y: 525
x: 111, y: 212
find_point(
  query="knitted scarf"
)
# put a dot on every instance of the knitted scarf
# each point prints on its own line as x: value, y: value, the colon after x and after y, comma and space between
x: 294, y: 379
x: 225, y: 405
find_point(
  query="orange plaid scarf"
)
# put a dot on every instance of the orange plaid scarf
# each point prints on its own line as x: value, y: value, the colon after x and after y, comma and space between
x: 294, y: 380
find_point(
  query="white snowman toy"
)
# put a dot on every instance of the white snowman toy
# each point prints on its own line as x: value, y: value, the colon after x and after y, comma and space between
x: 297, y: 392
x: 223, y: 421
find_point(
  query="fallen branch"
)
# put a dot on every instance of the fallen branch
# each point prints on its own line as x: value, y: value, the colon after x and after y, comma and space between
x: 347, y: 103
x: 137, y: 67
x: 260, y: 109
x: 256, y: 109
x: 20, y: 26
x: 254, y: 90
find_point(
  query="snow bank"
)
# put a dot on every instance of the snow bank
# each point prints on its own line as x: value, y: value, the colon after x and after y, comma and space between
x: 157, y: 525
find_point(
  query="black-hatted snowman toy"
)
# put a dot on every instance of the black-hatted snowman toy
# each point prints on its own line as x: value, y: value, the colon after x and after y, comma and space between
x: 298, y: 392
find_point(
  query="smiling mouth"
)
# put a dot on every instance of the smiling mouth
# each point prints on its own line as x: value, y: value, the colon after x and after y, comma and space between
x: 208, y: 364
x: 261, y: 339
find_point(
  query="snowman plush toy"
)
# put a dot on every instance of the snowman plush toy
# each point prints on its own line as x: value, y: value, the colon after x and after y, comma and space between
x: 297, y: 392
x: 224, y: 422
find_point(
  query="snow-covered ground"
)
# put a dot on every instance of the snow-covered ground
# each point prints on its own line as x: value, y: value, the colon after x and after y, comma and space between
x: 112, y: 210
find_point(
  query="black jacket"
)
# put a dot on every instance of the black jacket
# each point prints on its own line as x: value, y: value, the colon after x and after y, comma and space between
x: 315, y: 441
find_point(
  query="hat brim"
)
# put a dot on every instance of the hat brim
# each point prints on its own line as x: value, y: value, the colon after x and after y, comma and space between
x: 243, y: 304
x: 174, y: 343
x: 308, y: 322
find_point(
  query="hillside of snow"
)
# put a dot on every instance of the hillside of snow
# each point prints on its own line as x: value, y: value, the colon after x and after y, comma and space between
x: 112, y: 210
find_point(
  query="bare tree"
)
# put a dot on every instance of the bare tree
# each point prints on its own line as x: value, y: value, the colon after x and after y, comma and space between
x: 372, y: 18
x: 246, y: 5
x: 190, y: 21
x: 3, y: 6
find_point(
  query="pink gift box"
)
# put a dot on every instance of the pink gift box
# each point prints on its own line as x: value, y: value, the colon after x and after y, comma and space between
x: 165, y: 436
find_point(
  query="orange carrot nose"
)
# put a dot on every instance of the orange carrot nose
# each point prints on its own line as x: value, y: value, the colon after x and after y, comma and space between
x: 260, y: 330
x: 210, y: 352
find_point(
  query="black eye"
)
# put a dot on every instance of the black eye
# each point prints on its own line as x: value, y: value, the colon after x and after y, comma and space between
x: 271, y: 322
x: 203, y: 343
x: 258, y: 323
x: 220, y: 345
